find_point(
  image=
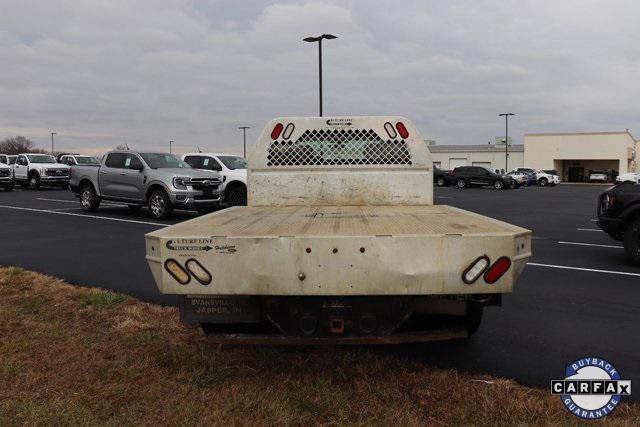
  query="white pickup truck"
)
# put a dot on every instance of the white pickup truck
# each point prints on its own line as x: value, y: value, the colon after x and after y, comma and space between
x: 340, y: 243
x: 232, y: 169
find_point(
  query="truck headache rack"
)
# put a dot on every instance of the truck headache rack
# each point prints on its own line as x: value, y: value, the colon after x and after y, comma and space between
x: 340, y: 243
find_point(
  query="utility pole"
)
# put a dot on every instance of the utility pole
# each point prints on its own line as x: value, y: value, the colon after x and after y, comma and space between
x: 170, y: 146
x: 506, y: 139
x: 52, y: 133
x: 319, y: 40
x: 244, y: 140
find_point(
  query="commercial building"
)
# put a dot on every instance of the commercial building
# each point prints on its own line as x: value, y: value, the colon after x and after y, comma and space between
x: 490, y: 155
x: 575, y: 154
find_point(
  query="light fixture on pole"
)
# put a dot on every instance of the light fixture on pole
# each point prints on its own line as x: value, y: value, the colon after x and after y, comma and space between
x: 319, y: 40
x: 244, y: 140
x: 52, y: 133
x: 506, y: 139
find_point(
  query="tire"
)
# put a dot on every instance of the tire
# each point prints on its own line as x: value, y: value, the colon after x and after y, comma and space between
x: 34, y: 181
x: 498, y: 184
x: 89, y: 200
x: 632, y: 242
x: 461, y: 183
x: 237, y: 196
x: 159, y: 204
x: 440, y: 181
x: 543, y: 182
x: 134, y: 208
x: 473, y: 317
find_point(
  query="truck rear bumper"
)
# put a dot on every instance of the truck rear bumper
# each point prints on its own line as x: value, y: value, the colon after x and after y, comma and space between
x: 334, y: 319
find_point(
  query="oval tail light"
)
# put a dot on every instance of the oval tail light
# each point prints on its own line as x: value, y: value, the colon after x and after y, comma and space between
x: 402, y: 130
x: 497, y: 270
x: 475, y: 269
x: 277, y: 130
x: 390, y: 130
x: 288, y: 131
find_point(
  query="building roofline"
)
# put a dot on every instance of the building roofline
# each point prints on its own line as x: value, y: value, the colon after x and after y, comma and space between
x: 580, y: 133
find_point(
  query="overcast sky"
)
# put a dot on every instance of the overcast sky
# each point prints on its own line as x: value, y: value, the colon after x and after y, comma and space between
x: 100, y: 73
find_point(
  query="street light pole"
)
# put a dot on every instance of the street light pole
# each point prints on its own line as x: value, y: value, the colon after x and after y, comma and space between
x: 319, y: 40
x: 171, y: 147
x: 244, y: 140
x: 52, y: 133
x: 506, y: 139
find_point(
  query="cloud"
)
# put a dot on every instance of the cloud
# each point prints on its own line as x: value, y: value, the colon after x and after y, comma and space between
x: 143, y: 72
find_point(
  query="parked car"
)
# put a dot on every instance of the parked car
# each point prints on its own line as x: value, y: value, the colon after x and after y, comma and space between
x: 11, y: 159
x: 619, y: 217
x: 521, y: 178
x: 629, y: 177
x: 78, y: 159
x: 544, y: 178
x: 6, y: 177
x: 160, y: 181
x: 36, y: 170
x: 232, y: 169
x: 4, y: 159
x: 598, y: 175
x: 441, y: 177
x: 466, y: 176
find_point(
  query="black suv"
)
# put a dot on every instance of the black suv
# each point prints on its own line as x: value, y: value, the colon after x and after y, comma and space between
x: 467, y: 176
x: 619, y: 217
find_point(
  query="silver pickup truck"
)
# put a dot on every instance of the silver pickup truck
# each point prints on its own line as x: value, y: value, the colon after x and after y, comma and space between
x: 158, y: 180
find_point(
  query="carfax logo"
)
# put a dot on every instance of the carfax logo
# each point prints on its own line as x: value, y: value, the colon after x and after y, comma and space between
x: 591, y: 388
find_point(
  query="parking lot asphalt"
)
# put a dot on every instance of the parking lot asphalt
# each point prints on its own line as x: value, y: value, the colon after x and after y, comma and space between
x: 577, y: 297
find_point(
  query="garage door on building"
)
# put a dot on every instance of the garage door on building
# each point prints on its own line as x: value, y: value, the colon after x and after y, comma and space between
x: 456, y: 162
x: 482, y: 164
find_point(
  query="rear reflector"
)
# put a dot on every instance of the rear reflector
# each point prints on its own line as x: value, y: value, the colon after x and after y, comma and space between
x: 402, y: 130
x: 288, y: 131
x: 390, y: 130
x: 497, y: 270
x: 475, y: 270
x: 277, y: 129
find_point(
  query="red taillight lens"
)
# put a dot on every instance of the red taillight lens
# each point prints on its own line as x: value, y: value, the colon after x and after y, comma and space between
x: 277, y: 130
x: 402, y: 130
x: 497, y: 270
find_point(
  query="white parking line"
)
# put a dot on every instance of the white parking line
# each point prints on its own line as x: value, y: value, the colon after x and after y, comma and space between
x: 590, y: 244
x: 83, y: 215
x: 588, y: 229
x: 76, y: 202
x: 593, y: 270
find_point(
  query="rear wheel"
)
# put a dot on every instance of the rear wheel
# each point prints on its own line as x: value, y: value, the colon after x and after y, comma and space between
x: 89, y: 200
x: 159, y: 205
x: 632, y: 242
x: 461, y: 183
x: 440, y: 181
x: 473, y: 317
x: 498, y: 185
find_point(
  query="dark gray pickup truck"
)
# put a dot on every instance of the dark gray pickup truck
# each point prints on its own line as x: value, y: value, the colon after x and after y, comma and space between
x: 160, y: 181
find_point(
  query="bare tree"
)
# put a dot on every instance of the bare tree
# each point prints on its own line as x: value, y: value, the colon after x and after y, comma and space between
x: 17, y: 145
x: 122, y: 147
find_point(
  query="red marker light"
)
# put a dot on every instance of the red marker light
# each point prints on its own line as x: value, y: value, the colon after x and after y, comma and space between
x: 402, y: 130
x: 277, y: 129
x: 497, y: 270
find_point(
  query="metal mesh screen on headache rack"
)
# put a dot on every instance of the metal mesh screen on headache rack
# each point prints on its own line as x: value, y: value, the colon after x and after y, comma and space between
x: 338, y: 147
